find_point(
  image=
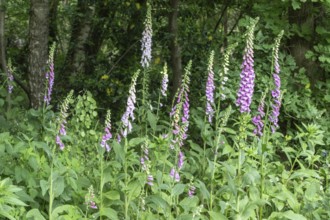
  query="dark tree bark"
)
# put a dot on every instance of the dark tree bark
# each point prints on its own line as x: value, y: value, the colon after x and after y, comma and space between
x: 53, y: 20
x: 104, y: 13
x: 298, y: 44
x: 2, y: 37
x: 38, y: 49
x: 81, y: 27
x: 175, y: 47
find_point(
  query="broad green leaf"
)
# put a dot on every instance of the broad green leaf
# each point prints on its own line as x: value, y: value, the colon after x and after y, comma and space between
x: 135, y: 141
x: 158, y: 201
x: 34, y: 214
x: 293, y: 216
x: 152, y: 120
x: 61, y: 209
x: 217, y: 216
x: 120, y: 155
x: 134, y: 189
x: 112, y: 195
x: 110, y: 213
x: 189, y: 202
x: 13, y: 201
x: 5, y: 214
x: 178, y: 189
x: 58, y: 186
x: 291, y: 199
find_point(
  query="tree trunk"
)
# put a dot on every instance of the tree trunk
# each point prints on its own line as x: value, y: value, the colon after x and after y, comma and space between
x: 2, y: 37
x: 299, y: 45
x: 104, y: 13
x: 53, y: 20
x: 38, y: 47
x: 175, y: 47
x: 81, y: 27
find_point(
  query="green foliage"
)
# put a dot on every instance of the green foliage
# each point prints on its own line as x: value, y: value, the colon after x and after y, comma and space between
x: 282, y: 175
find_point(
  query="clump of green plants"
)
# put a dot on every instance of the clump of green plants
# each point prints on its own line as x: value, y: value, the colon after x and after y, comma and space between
x: 218, y: 160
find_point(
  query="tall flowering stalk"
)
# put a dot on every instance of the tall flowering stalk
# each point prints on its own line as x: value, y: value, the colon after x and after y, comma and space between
x: 62, y: 119
x: 10, y: 77
x: 50, y: 75
x: 276, y: 93
x: 164, y: 81
x: 210, y: 89
x: 224, y: 71
x: 128, y: 116
x: 257, y: 120
x: 107, y: 132
x: 145, y: 163
x: 90, y: 199
x: 146, y: 39
x: 180, y: 122
x: 244, y: 99
x: 245, y: 92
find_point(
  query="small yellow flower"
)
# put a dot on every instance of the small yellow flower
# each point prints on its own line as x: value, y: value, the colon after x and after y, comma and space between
x: 109, y: 91
x: 138, y: 6
x: 210, y: 38
x: 157, y: 60
x: 105, y: 77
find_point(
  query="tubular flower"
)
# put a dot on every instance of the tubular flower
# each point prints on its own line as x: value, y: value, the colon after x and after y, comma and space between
x: 107, y: 132
x: 10, y: 77
x: 191, y: 191
x: 164, y: 81
x: 146, y: 39
x: 89, y: 198
x: 257, y: 120
x: 245, y: 92
x: 180, y: 122
x: 62, y: 119
x: 210, y: 89
x: 175, y: 175
x: 145, y: 163
x: 276, y: 93
x: 50, y: 75
x: 128, y: 116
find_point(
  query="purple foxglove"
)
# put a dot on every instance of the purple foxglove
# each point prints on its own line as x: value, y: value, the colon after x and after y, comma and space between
x: 145, y: 162
x: 276, y: 93
x: 50, y: 75
x: 146, y: 40
x: 59, y: 142
x: 62, y: 119
x: 180, y: 161
x: 191, y: 191
x: 245, y: 92
x: 175, y: 175
x: 10, y: 77
x: 128, y: 116
x: 89, y: 198
x: 164, y: 81
x: 107, y: 132
x: 257, y: 120
x: 210, y: 89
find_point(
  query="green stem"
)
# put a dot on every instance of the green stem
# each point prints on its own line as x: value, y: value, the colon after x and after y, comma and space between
x: 213, y: 170
x: 101, y: 186
x: 261, y: 183
x: 51, y: 196
x: 238, y: 177
x: 126, y: 180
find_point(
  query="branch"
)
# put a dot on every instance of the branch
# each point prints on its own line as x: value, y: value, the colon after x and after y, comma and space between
x: 221, y: 16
